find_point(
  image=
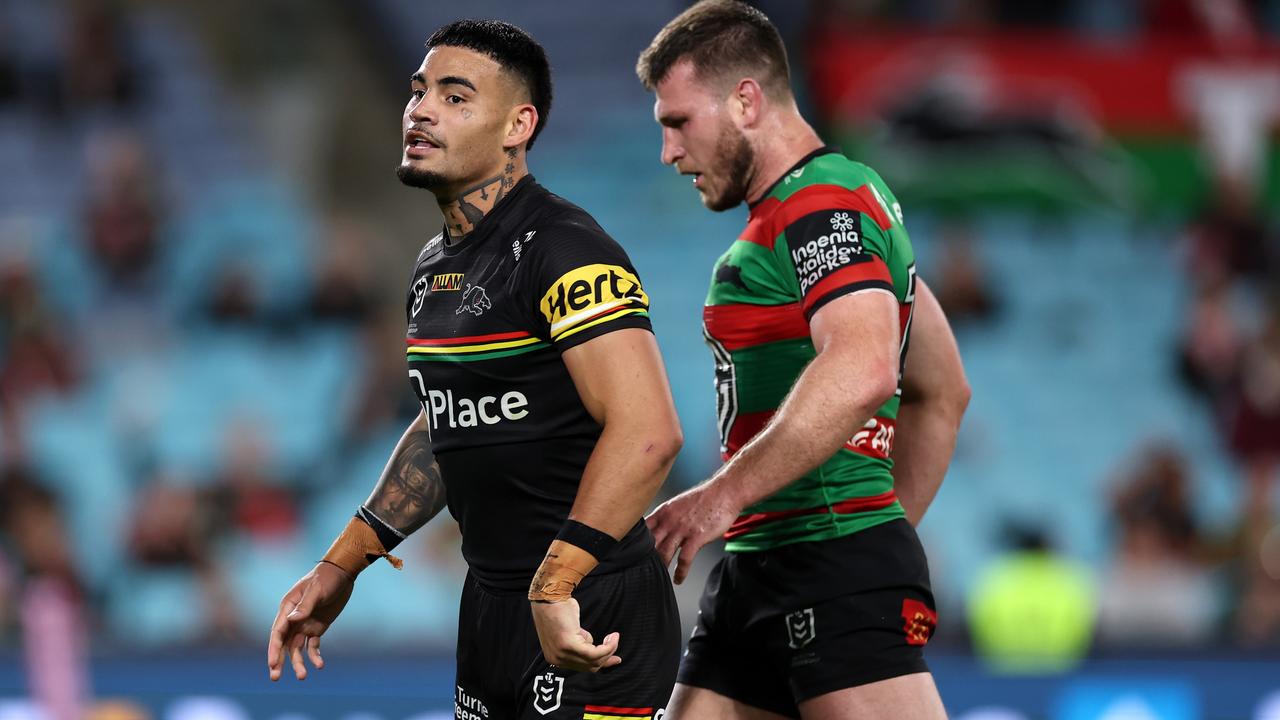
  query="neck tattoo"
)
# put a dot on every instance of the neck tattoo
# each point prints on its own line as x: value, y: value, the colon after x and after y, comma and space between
x: 463, y: 212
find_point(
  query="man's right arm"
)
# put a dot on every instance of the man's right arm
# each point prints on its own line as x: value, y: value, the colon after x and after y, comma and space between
x: 410, y: 491
x: 408, y: 494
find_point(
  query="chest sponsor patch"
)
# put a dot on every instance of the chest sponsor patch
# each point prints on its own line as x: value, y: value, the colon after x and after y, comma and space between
x: 446, y: 282
x: 590, y: 295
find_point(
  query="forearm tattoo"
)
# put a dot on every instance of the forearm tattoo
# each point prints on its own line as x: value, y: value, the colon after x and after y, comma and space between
x: 410, y: 491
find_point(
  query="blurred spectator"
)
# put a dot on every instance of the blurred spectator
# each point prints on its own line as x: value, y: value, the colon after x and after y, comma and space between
x: 34, y: 355
x: 342, y: 289
x: 124, y: 211
x: 122, y: 248
x: 234, y: 298
x: 1229, y: 238
x: 1257, y: 619
x: 1255, y: 424
x: 961, y: 285
x: 53, y: 599
x: 1031, y: 610
x: 1211, y: 342
x: 173, y: 527
x: 1156, y: 591
x: 34, y: 528
x: 170, y: 525
x: 96, y: 70
x: 255, y: 504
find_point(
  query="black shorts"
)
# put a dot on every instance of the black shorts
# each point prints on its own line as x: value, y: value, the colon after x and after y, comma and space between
x: 502, y: 675
x: 781, y: 626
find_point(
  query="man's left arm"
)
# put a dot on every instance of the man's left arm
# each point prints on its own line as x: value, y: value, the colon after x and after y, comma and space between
x: 935, y: 394
x: 855, y: 372
x: 622, y: 383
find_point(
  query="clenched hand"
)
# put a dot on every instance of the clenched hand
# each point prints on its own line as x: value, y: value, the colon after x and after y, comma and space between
x: 566, y: 644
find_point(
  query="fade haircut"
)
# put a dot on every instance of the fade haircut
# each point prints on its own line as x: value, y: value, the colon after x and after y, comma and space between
x: 725, y: 40
x: 513, y: 49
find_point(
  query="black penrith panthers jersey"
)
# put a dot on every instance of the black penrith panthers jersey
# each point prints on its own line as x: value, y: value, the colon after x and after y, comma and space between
x: 488, y: 319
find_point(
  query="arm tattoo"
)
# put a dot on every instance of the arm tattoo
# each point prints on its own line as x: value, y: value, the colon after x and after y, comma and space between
x: 410, y: 491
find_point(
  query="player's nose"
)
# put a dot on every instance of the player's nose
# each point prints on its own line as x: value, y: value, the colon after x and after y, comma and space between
x: 424, y: 111
x: 672, y: 150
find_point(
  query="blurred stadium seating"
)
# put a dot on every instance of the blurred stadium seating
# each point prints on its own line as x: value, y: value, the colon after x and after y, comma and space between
x: 180, y: 376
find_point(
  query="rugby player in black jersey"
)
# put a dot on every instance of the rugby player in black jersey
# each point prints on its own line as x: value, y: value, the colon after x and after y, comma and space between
x: 547, y: 424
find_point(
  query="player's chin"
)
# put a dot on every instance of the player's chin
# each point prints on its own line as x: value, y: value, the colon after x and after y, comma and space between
x: 716, y: 202
x: 419, y: 174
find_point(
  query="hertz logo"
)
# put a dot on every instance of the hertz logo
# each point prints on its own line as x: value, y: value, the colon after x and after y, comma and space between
x: 446, y: 282
x: 588, y: 292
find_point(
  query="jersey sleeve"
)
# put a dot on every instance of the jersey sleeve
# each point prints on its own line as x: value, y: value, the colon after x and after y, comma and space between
x: 835, y: 252
x: 582, y: 284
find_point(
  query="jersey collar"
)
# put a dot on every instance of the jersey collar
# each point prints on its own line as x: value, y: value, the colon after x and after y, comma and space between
x: 493, y: 220
x: 824, y: 150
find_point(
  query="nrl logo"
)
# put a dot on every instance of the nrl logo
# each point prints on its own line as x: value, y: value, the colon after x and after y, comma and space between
x: 419, y: 294
x: 474, y: 301
x: 800, y: 628
x: 547, y: 689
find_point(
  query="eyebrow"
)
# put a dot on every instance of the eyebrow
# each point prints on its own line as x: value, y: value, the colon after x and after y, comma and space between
x: 419, y: 78
x: 455, y: 80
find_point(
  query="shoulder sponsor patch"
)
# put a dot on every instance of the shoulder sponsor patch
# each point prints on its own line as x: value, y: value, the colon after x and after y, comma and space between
x: 825, y: 247
x: 591, y: 295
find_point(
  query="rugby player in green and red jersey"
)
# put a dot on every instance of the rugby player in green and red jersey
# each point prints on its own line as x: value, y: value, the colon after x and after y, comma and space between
x: 822, y: 605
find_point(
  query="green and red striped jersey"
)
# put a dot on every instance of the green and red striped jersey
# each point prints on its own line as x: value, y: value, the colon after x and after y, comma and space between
x: 828, y: 228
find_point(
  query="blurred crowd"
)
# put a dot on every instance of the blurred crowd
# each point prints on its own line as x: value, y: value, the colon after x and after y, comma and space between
x: 141, y: 317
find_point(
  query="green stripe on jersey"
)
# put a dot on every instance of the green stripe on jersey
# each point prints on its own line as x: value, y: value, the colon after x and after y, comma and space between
x: 472, y: 357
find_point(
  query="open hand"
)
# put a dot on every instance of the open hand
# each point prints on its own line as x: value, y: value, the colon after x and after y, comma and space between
x: 306, y: 611
x: 687, y: 522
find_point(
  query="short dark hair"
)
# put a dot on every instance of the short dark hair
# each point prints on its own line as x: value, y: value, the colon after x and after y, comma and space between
x: 719, y: 37
x: 512, y: 48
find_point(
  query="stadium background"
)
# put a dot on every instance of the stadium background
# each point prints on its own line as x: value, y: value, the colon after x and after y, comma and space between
x: 203, y: 254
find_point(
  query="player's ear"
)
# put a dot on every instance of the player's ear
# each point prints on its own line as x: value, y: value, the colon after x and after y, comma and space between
x: 524, y: 118
x: 746, y: 102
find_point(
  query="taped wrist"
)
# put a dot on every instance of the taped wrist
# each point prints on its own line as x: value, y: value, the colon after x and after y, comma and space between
x: 575, y: 552
x: 358, y: 547
x: 560, y: 572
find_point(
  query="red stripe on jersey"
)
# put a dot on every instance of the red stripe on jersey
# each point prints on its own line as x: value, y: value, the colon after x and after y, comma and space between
x: 607, y: 709
x: 745, y: 427
x: 739, y: 326
x: 874, y: 208
x: 470, y: 339
x: 759, y: 227
x: 771, y: 217
x: 875, y: 269
x: 747, y: 523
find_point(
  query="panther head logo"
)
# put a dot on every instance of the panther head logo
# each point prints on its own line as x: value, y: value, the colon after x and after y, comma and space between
x: 474, y: 300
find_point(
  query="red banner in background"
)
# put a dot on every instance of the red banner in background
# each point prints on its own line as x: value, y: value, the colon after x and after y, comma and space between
x: 1141, y: 86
